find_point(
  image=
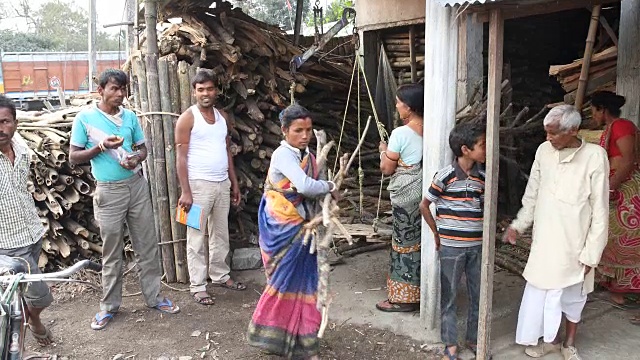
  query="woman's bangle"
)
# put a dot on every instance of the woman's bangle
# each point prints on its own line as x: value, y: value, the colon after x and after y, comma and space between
x: 332, y: 186
x: 382, y: 153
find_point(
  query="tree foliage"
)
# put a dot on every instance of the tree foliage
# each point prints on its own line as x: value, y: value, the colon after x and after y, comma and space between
x: 24, y: 42
x: 333, y: 12
x: 57, y: 25
x: 275, y: 12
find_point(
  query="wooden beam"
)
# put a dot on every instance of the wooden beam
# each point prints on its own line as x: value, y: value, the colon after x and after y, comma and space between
x: 609, y: 30
x: 412, y: 54
x: 298, y: 23
x: 496, y: 44
x: 518, y: 9
x: 470, y: 60
x: 628, y: 82
x: 588, y: 53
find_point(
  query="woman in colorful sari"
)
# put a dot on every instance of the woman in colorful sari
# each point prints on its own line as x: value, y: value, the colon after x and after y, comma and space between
x: 402, y: 159
x: 620, y: 264
x: 286, y: 320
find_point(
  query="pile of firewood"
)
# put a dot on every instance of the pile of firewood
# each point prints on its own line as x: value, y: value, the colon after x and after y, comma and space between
x: 602, y: 74
x: 251, y: 62
x: 62, y: 191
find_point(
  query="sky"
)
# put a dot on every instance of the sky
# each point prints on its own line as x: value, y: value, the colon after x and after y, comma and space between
x: 108, y: 11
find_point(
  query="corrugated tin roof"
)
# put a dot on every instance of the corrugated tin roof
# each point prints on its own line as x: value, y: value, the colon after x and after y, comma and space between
x: 462, y: 2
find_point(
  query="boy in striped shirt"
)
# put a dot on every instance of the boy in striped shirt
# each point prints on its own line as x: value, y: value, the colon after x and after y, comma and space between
x: 458, y: 193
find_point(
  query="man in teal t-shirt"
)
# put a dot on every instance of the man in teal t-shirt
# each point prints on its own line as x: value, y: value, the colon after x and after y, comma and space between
x: 106, y: 135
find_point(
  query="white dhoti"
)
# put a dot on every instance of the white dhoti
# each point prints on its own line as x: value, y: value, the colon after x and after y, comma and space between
x: 541, y: 312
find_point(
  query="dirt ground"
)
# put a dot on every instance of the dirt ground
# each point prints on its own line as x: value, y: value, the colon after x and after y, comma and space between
x: 138, y: 332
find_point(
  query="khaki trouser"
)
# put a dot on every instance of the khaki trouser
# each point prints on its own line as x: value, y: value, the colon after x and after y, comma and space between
x: 115, y: 202
x: 215, y: 199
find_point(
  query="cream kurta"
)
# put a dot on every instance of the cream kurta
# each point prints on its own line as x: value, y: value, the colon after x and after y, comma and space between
x: 568, y: 203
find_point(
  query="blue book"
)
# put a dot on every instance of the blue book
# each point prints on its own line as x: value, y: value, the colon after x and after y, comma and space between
x: 193, y: 219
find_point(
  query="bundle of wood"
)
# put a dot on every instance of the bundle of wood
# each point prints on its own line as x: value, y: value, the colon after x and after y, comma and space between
x: 602, y: 74
x: 62, y: 191
x: 251, y: 62
x: 399, y: 44
x: 521, y: 133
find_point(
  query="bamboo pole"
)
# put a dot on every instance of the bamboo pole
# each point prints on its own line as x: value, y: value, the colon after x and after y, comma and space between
x: 588, y: 52
x: 185, y: 86
x: 180, y: 231
x: 159, y: 166
x: 179, y: 250
x: 140, y: 75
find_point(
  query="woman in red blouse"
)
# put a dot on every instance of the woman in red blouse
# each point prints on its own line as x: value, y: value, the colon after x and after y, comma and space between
x: 620, y: 264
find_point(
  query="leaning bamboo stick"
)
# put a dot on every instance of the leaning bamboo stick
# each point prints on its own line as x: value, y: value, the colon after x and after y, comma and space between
x: 588, y: 52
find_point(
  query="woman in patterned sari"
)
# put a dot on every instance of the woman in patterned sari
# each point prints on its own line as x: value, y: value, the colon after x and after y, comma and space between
x: 286, y: 320
x: 620, y: 264
x: 402, y: 159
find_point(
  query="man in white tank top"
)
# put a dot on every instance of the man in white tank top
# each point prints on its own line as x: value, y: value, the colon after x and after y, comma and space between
x: 207, y: 178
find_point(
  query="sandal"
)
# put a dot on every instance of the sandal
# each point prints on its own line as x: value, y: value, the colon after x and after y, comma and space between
x: 387, y: 306
x: 635, y: 320
x: 167, y: 307
x: 474, y: 350
x: 42, y: 339
x: 99, y: 322
x: 448, y: 354
x: 235, y: 285
x: 201, y: 299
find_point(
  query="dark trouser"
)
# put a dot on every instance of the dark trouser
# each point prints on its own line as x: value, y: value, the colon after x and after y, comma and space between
x: 37, y: 294
x: 454, y: 262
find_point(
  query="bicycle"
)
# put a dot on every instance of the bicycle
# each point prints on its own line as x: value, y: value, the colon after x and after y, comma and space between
x: 14, y: 279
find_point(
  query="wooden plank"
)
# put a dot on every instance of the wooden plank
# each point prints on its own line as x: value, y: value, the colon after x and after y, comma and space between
x: 628, y: 82
x: 364, y: 231
x: 609, y: 30
x: 470, y: 60
x: 496, y: 43
x: 588, y: 52
x: 522, y: 8
x: 412, y: 54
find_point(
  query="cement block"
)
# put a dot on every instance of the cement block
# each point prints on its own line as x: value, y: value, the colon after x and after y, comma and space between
x: 246, y: 259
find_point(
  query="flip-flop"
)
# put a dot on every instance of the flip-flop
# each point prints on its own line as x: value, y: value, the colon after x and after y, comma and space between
x: 40, y: 337
x: 40, y: 357
x: 393, y: 307
x: 95, y: 323
x: 204, y: 299
x: 448, y: 354
x: 167, y: 307
x: 635, y: 320
x: 237, y: 286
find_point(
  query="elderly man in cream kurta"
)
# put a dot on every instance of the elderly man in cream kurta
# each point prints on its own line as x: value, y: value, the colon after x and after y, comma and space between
x: 567, y: 201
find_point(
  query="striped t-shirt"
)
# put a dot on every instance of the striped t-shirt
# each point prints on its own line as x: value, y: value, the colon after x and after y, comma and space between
x: 459, y: 200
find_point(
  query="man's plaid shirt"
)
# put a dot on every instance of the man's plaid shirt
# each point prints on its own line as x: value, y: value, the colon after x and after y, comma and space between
x: 20, y: 224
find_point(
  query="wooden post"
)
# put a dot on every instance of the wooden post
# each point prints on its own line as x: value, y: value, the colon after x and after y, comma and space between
x: 628, y: 81
x: 588, y: 52
x: 496, y: 43
x: 298, y: 24
x: 185, y: 86
x: 412, y: 54
x: 93, y: 61
x: 470, y: 59
x: 179, y: 250
x: 180, y: 231
x: 159, y: 166
x: 132, y: 14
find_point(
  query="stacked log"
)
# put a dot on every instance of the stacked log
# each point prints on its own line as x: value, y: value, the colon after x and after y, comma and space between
x: 251, y: 62
x: 62, y: 191
x: 397, y: 45
x: 602, y: 74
